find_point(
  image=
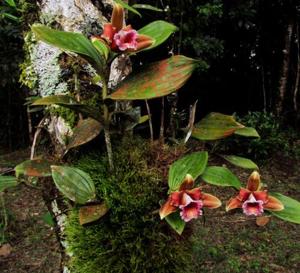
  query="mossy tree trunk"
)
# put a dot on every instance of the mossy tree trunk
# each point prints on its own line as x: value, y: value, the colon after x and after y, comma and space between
x: 49, y: 71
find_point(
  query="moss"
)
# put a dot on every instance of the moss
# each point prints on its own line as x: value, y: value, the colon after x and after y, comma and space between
x: 131, y: 237
x: 69, y: 116
x: 28, y: 76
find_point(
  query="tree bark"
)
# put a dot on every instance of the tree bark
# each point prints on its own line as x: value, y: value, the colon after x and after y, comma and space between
x: 285, y: 67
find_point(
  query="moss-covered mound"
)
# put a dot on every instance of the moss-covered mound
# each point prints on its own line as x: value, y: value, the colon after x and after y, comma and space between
x: 131, y: 237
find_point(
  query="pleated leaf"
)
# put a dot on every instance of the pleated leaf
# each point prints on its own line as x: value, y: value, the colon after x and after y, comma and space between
x: 241, y: 162
x: 7, y: 182
x: 220, y: 176
x: 215, y: 126
x: 193, y: 164
x: 35, y: 167
x: 247, y: 132
x: 68, y: 41
x: 84, y: 132
x: 291, y: 211
x: 159, y: 31
x: 70, y: 103
x: 92, y: 213
x: 176, y: 223
x: 74, y: 183
x: 156, y: 80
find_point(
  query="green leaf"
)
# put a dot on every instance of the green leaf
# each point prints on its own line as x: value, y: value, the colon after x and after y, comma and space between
x: 215, y: 126
x: 47, y: 218
x: 55, y: 99
x: 291, y: 212
x: 91, y: 213
x: 241, y: 162
x: 69, y: 41
x: 159, y: 31
x: 156, y: 80
x: 102, y: 48
x: 220, y: 176
x: 143, y: 119
x: 247, y: 132
x: 145, y: 6
x: 193, y: 164
x: 11, y: 3
x: 175, y: 221
x: 84, y: 132
x: 74, y: 183
x: 10, y: 16
x: 126, y: 6
x: 35, y: 167
x: 70, y: 103
x: 7, y: 182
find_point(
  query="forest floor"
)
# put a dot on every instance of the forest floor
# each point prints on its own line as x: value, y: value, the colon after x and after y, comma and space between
x: 223, y: 243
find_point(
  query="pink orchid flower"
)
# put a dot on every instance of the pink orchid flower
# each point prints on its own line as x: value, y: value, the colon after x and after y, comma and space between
x: 253, y: 200
x: 120, y: 37
x: 189, y: 201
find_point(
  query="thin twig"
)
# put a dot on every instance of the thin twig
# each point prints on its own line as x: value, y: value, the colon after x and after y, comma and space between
x: 150, y: 121
x: 296, y: 90
x: 162, y: 121
x: 36, y: 134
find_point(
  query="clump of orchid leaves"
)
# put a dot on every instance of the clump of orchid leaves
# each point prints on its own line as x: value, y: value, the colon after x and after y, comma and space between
x: 186, y: 200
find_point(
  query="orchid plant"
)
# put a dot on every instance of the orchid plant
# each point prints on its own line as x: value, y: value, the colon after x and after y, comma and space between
x: 185, y: 200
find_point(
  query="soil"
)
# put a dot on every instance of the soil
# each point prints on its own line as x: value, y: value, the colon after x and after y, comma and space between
x: 30, y: 236
x: 224, y: 242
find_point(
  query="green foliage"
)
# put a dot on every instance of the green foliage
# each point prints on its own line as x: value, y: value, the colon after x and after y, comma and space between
x: 220, y: 176
x: 193, y: 164
x: 74, y: 183
x: 157, y: 79
x: 273, y: 139
x: 130, y: 237
x: 69, y: 116
x: 291, y: 210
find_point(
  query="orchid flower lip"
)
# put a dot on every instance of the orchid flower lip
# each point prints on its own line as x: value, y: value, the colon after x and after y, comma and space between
x: 253, y: 206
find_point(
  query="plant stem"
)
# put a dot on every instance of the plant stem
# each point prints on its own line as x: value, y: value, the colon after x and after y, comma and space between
x: 106, y: 126
x: 162, y: 121
x: 150, y: 121
x: 5, y: 217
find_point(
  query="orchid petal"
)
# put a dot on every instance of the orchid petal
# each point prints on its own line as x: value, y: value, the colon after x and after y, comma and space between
x: 108, y: 32
x: 210, y: 201
x: 243, y: 194
x: 185, y: 200
x: 233, y: 203
x: 195, y: 193
x: 254, y: 182
x: 166, y: 209
x: 192, y: 211
x: 117, y: 18
x: 175, y: 198
x: 253, y: 206
x: 261, y: 195
x: 187, y: 183
x: 273, y: 204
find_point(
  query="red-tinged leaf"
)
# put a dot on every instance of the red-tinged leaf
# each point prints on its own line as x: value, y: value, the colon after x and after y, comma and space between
x: 35, y: 167
x: 91, y: 213
x: 262, y: 220
x: 84, y: 132
x: 156, y: 80
x: 215, y: 126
